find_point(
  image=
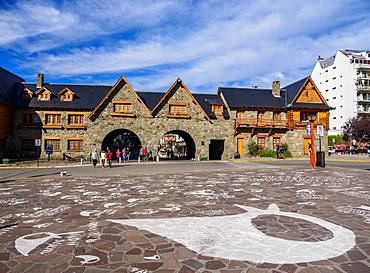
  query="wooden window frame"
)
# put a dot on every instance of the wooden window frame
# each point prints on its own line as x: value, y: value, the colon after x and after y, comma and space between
x: 122, y: 108
x: 217, y: 109
x: 75, y: 140
x: 263, y: 146
x: 174, y: 107
x: 274, y: 144
x: 58, y: 140
x: 276, y: 116
x: 53, y: 125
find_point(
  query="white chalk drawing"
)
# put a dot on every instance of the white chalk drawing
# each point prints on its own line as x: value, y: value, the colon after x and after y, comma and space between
x: 307, y: 194
x: 25, y: 244
x: 363, y: 211
x: 152, y: 258
x: 13, y: 201
x: 235, y: 237
x: 88, y: 259
x: 93, y: 234
x: 138, y: 270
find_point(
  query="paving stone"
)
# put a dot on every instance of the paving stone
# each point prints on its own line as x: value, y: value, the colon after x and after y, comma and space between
x: 215, y: 265
x: 169, y: 261
x: 356, y: 255
x: 148, y: 265
x: 75, y: 270
x: 134, y: 251
x: 193, y: 264
x: 4, y: 256
x: 289, y: 268
x: 3, y: 268
x: 355, y: 267
x: 38, y: 268
x: 186, y: 269
x: 309, y: 270
x: 184, y: 253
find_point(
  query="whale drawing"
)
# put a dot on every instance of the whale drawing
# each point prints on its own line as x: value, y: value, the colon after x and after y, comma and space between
x: 235, y: 237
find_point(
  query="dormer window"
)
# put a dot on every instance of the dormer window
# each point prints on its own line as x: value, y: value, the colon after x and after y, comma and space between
x: 44, y: 94
x: 66, y: 95
x: 218, y: 109
x: 27, y: 94
x: 178, y: 109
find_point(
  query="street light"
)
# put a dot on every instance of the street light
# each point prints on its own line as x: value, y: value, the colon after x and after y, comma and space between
x: 312, y: 118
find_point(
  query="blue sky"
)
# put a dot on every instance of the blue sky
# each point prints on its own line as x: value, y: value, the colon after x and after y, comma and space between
x: 205, y: 43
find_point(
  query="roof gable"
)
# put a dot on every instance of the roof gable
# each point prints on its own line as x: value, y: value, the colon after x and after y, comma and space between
x: 170, y: 93
x: 122, y: 81
x: 9, y: 84
x: 308, y: 93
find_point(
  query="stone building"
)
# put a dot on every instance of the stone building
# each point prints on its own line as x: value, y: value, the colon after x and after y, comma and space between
x: 76, y: 119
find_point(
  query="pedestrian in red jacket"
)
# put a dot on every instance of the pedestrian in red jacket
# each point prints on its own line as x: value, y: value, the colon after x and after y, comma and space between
x: 109, y: 157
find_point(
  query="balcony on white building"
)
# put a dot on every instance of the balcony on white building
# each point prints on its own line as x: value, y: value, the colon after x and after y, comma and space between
x: 363, y: 109
x: 363, y: 98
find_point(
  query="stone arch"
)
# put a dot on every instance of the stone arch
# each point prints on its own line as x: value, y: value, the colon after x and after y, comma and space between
x: 120, y: 138
x: 189, y: 140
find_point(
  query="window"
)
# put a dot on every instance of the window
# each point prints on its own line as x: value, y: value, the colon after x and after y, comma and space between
x: 75, y: 145
x: 44, y: 96
x: 28, y: 145
x: 275, y: 142
x: 178, y: 109
x: 27, y: 94
x: 261, y: 142
x: 260, y: 115
x: 240, y: 115
x: 53, y: 119
x: 276, y: 116
x: 123, y: 107
x: 75, y: 119
x: 217, y: 109
x: 66, y: 97
x: 30, y: 118
x: 54, y: 142
x: 304, y: 116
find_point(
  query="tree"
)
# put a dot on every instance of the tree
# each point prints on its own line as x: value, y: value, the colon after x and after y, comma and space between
x: 357, y: 128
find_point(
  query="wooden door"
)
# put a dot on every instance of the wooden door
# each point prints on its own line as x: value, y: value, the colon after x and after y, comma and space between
x: 240, y: 146
x: 306, y: 143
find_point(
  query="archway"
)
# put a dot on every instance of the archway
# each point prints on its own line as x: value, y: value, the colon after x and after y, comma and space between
x: 176, y: 144
x: 122, y: 138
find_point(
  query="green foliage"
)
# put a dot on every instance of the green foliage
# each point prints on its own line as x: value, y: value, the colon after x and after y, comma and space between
x: 287, y: 154
x: 253, y: 149
x: 285, y: 146
x: 267, y: 153
x: 338, y: 140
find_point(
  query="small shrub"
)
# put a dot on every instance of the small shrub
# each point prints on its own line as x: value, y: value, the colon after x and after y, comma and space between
x: 253, y: 149
x: 287, y: 154
x: 269, y: 153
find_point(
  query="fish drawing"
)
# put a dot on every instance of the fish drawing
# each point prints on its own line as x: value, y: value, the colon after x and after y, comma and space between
x: 235, y: 237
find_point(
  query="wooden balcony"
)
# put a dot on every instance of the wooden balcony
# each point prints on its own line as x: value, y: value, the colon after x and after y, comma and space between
x: 262, y: 123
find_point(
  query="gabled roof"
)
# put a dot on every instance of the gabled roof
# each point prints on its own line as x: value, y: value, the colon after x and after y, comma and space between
x: 206, y: 101
x: 252, y: 98
x: 87, y: 96
x: 294, y: 88
x: 117, y: 86
x: 169, y: 94
x: 65, y: 89
x: 9, y: 83
x: 150, y: 98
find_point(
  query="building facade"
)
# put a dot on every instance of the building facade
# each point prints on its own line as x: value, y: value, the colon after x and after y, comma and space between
x: 76, y: 119
x: 344, y: 80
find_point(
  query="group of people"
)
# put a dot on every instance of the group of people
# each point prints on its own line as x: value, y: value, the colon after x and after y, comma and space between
x: 106, y: 157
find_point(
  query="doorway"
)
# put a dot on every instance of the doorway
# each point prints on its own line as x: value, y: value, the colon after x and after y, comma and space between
x: 216, y: 149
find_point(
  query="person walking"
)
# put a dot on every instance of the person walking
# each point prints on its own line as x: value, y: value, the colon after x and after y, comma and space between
x: 109, y: 157
x: 128, y: 153
x: 118, y: 155
x: 124, y: 151
x: 102, y: 158
x: 145, y: 154
x: 94, y: 157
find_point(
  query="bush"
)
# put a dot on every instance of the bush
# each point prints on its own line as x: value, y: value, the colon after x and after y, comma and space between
x: 253, y: 149
x: 268, y: 153
x: 287, y: 154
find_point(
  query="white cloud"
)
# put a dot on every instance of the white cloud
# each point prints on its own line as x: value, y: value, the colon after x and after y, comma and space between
x: 206, y: 44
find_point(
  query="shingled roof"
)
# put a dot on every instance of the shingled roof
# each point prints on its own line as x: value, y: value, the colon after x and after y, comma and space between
x: 87, y: 96
x: 9, y: 84
x: 150, y: 98
x: 252, y: 98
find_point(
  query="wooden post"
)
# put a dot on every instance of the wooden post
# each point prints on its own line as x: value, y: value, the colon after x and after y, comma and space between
x: 312, y: 155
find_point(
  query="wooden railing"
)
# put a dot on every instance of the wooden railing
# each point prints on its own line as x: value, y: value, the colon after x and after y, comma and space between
x: 260, y: 123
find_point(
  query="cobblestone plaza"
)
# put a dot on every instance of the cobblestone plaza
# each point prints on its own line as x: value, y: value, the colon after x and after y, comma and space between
x: 277, y: 219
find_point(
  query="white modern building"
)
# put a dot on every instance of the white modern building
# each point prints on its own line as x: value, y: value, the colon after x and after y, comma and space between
x: 344, y: 81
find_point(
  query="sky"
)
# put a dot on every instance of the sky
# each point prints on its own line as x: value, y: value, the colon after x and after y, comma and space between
x: 152, y: 43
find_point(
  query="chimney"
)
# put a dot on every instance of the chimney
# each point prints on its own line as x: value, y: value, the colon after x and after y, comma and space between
x: 40, y: 80
x: 276, y: 88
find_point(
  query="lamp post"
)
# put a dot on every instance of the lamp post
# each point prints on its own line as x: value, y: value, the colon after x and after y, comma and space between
x: 312, y: 118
